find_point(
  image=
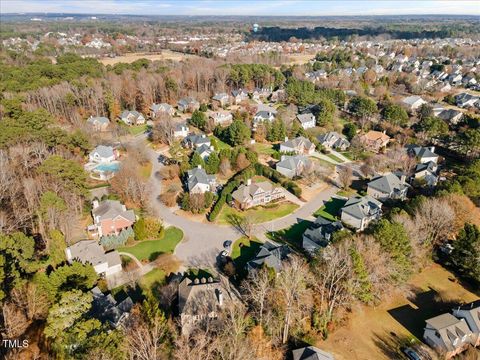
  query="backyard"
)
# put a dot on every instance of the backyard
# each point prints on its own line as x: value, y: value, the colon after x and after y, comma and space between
x: 243, y: 250
x: 331, y: 209
x: 258, y: 214
x: 137, y: 129
x: 149, y: 250
x: 220, y: 145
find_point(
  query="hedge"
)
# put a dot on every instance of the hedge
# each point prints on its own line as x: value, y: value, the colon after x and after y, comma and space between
x: 276, y: 177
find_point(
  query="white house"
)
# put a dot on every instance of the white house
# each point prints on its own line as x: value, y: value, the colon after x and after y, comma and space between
x: 198, y: 182
x: 90, y: 252
x: 98, y: 123
x: 239, y: 95
x: 162, y: 108
x: 307, y: 121
x: 413, y: 102
x: 389, y: 186
x: 221, y: 117
x: 471, y: 314
x: 103, y: 154
x: 359, y: 211
x: 132, y: 117
x: 299, y: 145
x: 292, y: 166
x: 181, y: 130
x: 263, y: 116
x: 333, y: 140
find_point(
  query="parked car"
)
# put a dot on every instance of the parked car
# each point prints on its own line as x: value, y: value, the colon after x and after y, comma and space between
x: 411, y: 354
x: 227, y: 244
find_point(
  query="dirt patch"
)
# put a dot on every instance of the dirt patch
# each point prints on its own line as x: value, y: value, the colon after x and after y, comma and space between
x: 194, y: 217
x: 131, y: 57
x: 309, y: 192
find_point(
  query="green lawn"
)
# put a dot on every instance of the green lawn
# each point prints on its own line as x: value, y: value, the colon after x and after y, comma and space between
x: 291, y: 235
x: 259, y: 214
x: 150, y: 249
x: 347, y: 154
x: 331, y: 209
x: 334, y: 158
x: 266, y: 149
x: 323, y: 163
x: 243, y: 250
x: 152, y: 279
x: 137, y: 129
x: 220, y: 144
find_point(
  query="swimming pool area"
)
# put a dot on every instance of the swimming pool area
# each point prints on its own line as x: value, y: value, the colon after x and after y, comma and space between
x: 109, y: 167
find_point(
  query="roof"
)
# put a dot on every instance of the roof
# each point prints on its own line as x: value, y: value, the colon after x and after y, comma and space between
x: 311, y: 353
x: 271, y: 254
x: 126, y: 113
x: 98, y: 119
x: 198, y: 176
x: 305, y: 118
x: 164, y: 106
x: 245, y: 192
x: 362, y: 206
x: 197, y: 139
x: 373, y: 135
x: 187, y: 101
x: 422, y: 151
x: 264, y: 114
x: 110, y: 209
x: 292, y: 162
x: 387, y: 183
x: 220, y: 96
x: 449, y: 114
x: 321, y: 230
x: 412, y: 100
x: 106, y: 308
x: 89, y: 251
x: 297, y: 143
x: 103, y: 151
x: 442, y: 321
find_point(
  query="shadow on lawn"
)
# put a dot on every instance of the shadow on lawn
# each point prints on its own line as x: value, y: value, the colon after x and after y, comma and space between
x: 292, y: 235
x: 429, y: 304
x: 247, y: 253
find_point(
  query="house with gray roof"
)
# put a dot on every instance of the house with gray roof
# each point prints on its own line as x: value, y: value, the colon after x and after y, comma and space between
x: 162, y: 108
x: 311, y: 353
x: 319, y: 234
x: 199, y: 182
x: 471, y: 314
x: 108, y: 310
x: 90, y: 252
x: 103, y: 154
x: 447, y: 334
x: 239, y: 95
x: 307, y: 120
x: 424, y: 154
x: 452, y: 116
x: 221, y: 117
x: 262, y: 116
x: 221, y: 99
x: 427, y: 172
x: 110, y: 217
x: 132, y: 117
x: 98, y: 123
x: 193, y: 141
x: 270, y: 254
x: 390, y: 186
x: 299, y: 145
x: 188, y: 104
x: 333, y: 140
x: 293, y: 166
x: 359, y: 211
x: 466, y: 100
x: 204, y: 151
x: 181, y: 130
x: 253, y: 194
x: 412, y: 103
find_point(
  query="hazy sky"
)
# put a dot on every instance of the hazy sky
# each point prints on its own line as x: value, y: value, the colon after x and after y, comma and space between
x: 260, y: 7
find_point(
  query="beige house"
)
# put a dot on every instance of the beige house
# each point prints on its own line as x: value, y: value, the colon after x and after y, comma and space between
x: 253, y: 194
x: 375, y: 140
x: 299, y: 145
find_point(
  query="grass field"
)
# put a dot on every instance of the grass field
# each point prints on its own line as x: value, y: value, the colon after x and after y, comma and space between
x: 131, y: 57
x: 243, y: 250
x: 146, y: 170
x: 331, y: 209
x: 137, y: 129
x: 266, y: 149
x: 149, y: 250
x: 334, y: 158
x: 292, y: 235
x: 220, y: 144
x: 259, y: 214
x: 153, y: 278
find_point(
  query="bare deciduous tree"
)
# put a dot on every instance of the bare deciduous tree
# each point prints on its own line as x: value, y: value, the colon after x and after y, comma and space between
x: 345, y: 176
x: 256, y: 289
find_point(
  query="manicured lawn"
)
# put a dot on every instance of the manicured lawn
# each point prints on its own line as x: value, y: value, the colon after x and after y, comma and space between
x: 266, y: 149
x: 259, y: 214
x: 220, y: 144
x: 291, y: 235
x: 347, y: 154
x: 334, y: 158
x: 151, y: 279
x: 243, y: 250
x: 331, y: 209
x: 150, y: 249
x: 137, y: 129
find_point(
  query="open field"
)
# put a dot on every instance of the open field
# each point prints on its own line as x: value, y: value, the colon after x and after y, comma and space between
x: 377, y: 333
x: 259, y: 214
x: 299, y: 59
x: 131, y: 57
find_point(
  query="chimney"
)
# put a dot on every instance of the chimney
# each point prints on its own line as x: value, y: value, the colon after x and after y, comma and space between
x: 203, y: 280
x: 210, y: 279
x: 199, y: 166
x: 196, y: 281
x: 286, y: 138
x: 432, y: 149
x: 220, y: 297
x: 249, y: 182
x: 95, y: 204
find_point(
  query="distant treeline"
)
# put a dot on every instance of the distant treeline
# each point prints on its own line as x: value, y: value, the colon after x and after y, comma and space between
x: 396, y: 32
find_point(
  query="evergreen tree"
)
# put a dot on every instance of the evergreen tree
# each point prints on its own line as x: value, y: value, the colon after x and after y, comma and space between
x: 326, y: 112
x: 466, y: 253
x: 212, y: 164
x: 197, y: 160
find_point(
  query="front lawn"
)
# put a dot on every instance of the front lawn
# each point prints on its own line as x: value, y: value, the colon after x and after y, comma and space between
x: 258, y: 214
x: 292, y: 235
x: 243, y: 250
x: 220, y: 144
x: 335, y: 158
x: 266, y: 149
x: 137, y: 129
x: 153, y: 279
x: 331, y: 209
x: 149, y: 250
x: 146, y: 170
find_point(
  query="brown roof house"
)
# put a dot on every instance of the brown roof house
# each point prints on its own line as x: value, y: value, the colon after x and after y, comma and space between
x: 253, y: 194
x: 201, y: 299
x: 375, y: 140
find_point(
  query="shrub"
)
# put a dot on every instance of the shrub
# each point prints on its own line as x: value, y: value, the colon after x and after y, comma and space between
x: 147, y: 228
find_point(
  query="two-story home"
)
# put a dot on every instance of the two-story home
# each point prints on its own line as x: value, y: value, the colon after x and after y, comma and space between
x: 103, y: 154
x: 319, y: 234
x: 359, y: 211
x: 307, y: 120
x: 299, y: 145
x: 447, y: 334
x: 465, y: 100
x: 188, y: 104
x: 424, y: 154
x: 221, y: 117
x: 204, y: 151
x: 253, y: 194
x: 412, y: 103
x: 262, y: 116
x: 199, y: 182
x: 271, y: 255
x: 292, y: 166
x: 390, y: 186
x: 90, y: 252
x: 98, y: 123
x: 333, y: 140
x: 239, y: 95
x: 110, y: 217
x: 374, y: 140
x: 193, y: 141
x: 451, y: 116
x: 261, y: 93
x: 221, y: 99
x: 470, y: 313
x: 108, y: 310
x: 162, y: 108
x: 132, y: 117
x: 181, y: 130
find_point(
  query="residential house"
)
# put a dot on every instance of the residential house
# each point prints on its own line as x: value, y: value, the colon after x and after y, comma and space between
x: 200, y: 300
x: 423, y: 154
x: 455, y: 79
x: 447, y: 334
x: 98, y: 123
x: 412, y: 103
x: 221, y: 99
x: 204, y: 151
x: 198, y: 182
x: 471, y: 314
x: 188, y: 104
x: 452, y: 116
x: 221, y: 117
x: 307, y: 120
x: 163, y: 108
x: 270, y: 254
x: 103, y: 154
x: 359, y: 211
x: 278, y: 95
x: 262, y: 116
x: 181, y: 130
x: 261, y: 93
x: 427, y: 172
x: 465, y: 100
x: 239, y: 95
x: 110, y: 217
x: 299, y: 145
x: 292, y: 166
x: 319, y: 234
x: 193, y: 141
x: 90, y: 252
x: 253, y: 194
x: 108, y: 310
x: 333, y: 140
x: 311, y: 353
x: 375, y: 140
x: 437, y: 109
x: 316, y: 75
x: 389, y: 186
x: 132, y: 117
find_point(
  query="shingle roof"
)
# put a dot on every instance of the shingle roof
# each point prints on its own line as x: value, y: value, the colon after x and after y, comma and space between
x: 245, y: 192
x: 292, y: 162
x: 311, y: 353
x: 110, y: 209
x: 305, y: 118
x: 362, y: 206
x: 271, y: 254
x: 198, y: 176
x: 103, y: 151
x: 298, y: 142
x: 98, y: 119
x: 387, y: 183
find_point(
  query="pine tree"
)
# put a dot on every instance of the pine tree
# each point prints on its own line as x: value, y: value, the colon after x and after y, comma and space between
x: 466, y: 253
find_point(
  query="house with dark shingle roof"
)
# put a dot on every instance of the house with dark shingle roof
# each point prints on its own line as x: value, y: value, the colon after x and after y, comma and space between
x: 239, y: 95
x: 319, y: 234
x: 270, y: 254
x: 193, y: 141
x: 108, y: 310
x: 293, y: 166
x: 299, y: 145
x: 188, y: 104
x: 162, y: 108
x: 424, y: 154
x: 389, y: 186
x: 311, y: 353
x: 359, y: 211
x: 132, y: 117
x: 199, y: 182
x: 222, y: 99
x: 333, y: 140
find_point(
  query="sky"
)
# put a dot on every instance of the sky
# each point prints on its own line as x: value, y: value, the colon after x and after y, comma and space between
x: 245, y: 7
